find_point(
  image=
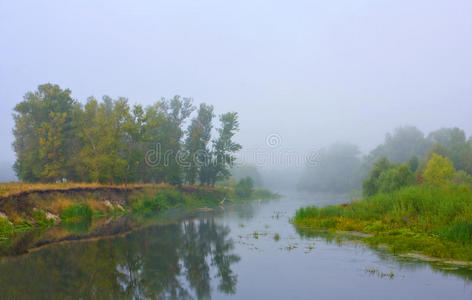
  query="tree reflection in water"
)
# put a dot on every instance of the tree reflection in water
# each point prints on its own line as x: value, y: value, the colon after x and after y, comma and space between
x: 172, y: 261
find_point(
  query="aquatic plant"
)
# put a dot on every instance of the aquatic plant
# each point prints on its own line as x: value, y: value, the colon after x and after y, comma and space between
x: 276, y: 237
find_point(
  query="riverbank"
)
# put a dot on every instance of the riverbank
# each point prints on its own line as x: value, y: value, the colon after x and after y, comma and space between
x: 434, y: 221
x: 33, y: 207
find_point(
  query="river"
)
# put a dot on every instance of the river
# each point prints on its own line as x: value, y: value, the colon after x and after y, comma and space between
x: 243, y: 252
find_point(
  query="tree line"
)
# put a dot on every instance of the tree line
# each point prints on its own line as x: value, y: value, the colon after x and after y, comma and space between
x: 403, y: 156
x: 59, y: 139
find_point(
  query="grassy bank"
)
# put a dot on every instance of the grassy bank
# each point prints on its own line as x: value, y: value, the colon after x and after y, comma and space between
x: 8, y: 189
x: 75, y: 205
x: 435, y: 221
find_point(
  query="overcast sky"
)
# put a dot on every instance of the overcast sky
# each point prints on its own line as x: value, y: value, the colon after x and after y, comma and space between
x: 313, y: 72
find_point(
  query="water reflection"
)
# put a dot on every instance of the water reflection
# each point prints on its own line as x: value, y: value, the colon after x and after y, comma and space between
x: 172, y: 261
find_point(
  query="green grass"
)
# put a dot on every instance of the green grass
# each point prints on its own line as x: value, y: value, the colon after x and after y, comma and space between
x: 6, y: 229
x: 77, y: 213
x: 436, y: 221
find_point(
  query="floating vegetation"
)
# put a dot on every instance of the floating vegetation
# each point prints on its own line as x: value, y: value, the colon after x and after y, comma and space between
x: 291, y: 247
x: 276, y: 237
x: 378, y: 273
x: 241, y: 225
x: 257, y: 234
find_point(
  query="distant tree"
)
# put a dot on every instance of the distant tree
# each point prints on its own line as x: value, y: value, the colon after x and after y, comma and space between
x: 399, y: 147
x: 413, y: 163
x: 337, y: 171
x: 244, y: 187
x: 439, y: 170
x: 240, y: 171
x: 461, y: 177
x: 455, y: 146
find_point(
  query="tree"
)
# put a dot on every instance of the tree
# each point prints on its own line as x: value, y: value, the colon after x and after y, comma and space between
x: 439, y: 170
x: 221, y: 159
x: 178, y: 110
x: 337, y: 171
x: 455, y: 146
x: 413, y: 163
x: 102, y: 137
x: 108, y: 141
x: 42, y: 125
x: 196, y: 143
x: 386, y: 177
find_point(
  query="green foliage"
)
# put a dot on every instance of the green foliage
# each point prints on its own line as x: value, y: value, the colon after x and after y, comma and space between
x: 413, y: 163
x: 6, y: 228
x: 461, y: 177
x: 42, y: 128
x: 244, y: 188
x: 439, y: 170
x: 221, y: 159
x: 148, y: 205
x: 387, y: 177
x: 58, y: 139
x: 196, y: 143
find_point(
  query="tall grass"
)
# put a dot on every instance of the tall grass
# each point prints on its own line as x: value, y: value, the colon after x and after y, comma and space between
x: 434, y: 213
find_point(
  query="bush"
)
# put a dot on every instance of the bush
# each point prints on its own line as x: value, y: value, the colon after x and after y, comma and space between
x: 386, y: 177
x: 439, y: 170
x: 149, y: 205
x: 244, y: 188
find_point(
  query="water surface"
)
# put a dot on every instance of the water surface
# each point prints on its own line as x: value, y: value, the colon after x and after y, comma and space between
x: 228, y: 254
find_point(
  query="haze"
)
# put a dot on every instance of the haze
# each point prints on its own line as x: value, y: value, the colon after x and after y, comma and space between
x: 311, y: 72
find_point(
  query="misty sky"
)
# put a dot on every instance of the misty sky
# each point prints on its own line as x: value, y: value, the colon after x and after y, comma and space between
x: 313, y: 72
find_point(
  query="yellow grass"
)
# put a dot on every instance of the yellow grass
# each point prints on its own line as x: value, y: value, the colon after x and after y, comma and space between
x: 15, y: 188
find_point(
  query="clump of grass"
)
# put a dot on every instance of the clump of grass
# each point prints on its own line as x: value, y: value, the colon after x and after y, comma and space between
x: 77, y: 212
x: 276, y: 237
x: 307, y: 212
x: 149, y: 205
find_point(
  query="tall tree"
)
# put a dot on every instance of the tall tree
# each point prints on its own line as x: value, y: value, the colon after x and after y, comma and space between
x: 222, y: 157
x: 102, y: 135
x: 42, y: 123
x: 196, y: 142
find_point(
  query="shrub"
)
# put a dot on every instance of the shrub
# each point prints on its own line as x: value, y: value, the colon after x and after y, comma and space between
x: 244, y: 188
x: 439, y: 170
x: 386, y: 177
